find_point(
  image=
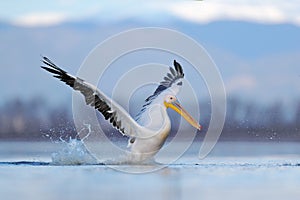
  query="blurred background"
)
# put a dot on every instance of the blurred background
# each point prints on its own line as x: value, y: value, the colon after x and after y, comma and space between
x: 255, y: 45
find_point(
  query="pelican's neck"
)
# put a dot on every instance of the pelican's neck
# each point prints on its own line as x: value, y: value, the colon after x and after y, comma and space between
x: 155, y: 117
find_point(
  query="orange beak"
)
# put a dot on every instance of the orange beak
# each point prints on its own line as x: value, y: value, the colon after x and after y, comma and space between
x: 179, y: 109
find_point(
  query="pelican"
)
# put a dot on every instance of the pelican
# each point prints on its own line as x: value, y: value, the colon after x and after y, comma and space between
x: 151, y: 127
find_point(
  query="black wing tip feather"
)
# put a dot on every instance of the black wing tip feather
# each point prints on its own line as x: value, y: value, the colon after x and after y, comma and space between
x: 51, y: 64
x: 178, y: 68
x: 57, y: 72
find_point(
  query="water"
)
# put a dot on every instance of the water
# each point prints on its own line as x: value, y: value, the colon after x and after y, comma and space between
x: 73, y: 153
x: 238, y: 170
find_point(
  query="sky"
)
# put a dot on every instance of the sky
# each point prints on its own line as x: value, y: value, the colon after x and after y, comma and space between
x: 36, y: 13
x: 257, y: 59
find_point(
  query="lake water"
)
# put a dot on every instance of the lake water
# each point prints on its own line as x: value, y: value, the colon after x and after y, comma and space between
x: 236, y: 170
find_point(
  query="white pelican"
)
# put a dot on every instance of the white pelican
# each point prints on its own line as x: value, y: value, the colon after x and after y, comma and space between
x: 148, y: 132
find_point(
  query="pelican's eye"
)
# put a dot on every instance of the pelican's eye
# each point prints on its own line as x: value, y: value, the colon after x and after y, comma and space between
x: 170, y: 99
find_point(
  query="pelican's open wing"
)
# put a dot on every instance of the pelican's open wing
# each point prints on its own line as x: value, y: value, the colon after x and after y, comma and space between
x: 172, y: 82
x: 112, y: 111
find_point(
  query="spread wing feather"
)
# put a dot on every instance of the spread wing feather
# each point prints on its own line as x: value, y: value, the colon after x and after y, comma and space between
x: 169, y: 80
x: 112, y: 111
x: 172, y: 81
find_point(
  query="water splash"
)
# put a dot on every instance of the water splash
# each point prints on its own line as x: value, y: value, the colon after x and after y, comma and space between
x: 74, y: 151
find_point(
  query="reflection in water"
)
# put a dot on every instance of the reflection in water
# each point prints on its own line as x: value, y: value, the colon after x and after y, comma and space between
x: 172, y: 187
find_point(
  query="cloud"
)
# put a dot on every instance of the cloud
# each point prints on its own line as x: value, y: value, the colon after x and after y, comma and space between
x: 38, y: 19
x: 256, y: 11
x: 240, y: 83
x: 267, y: 11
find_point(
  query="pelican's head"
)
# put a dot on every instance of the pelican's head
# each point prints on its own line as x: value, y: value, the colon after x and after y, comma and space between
x: 170, y: 101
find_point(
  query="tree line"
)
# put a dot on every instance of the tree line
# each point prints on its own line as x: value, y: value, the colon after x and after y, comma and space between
x: 35, y: 119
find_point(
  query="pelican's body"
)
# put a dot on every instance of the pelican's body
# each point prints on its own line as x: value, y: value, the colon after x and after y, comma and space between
x: 154, y: 135
x: 148, y: 132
